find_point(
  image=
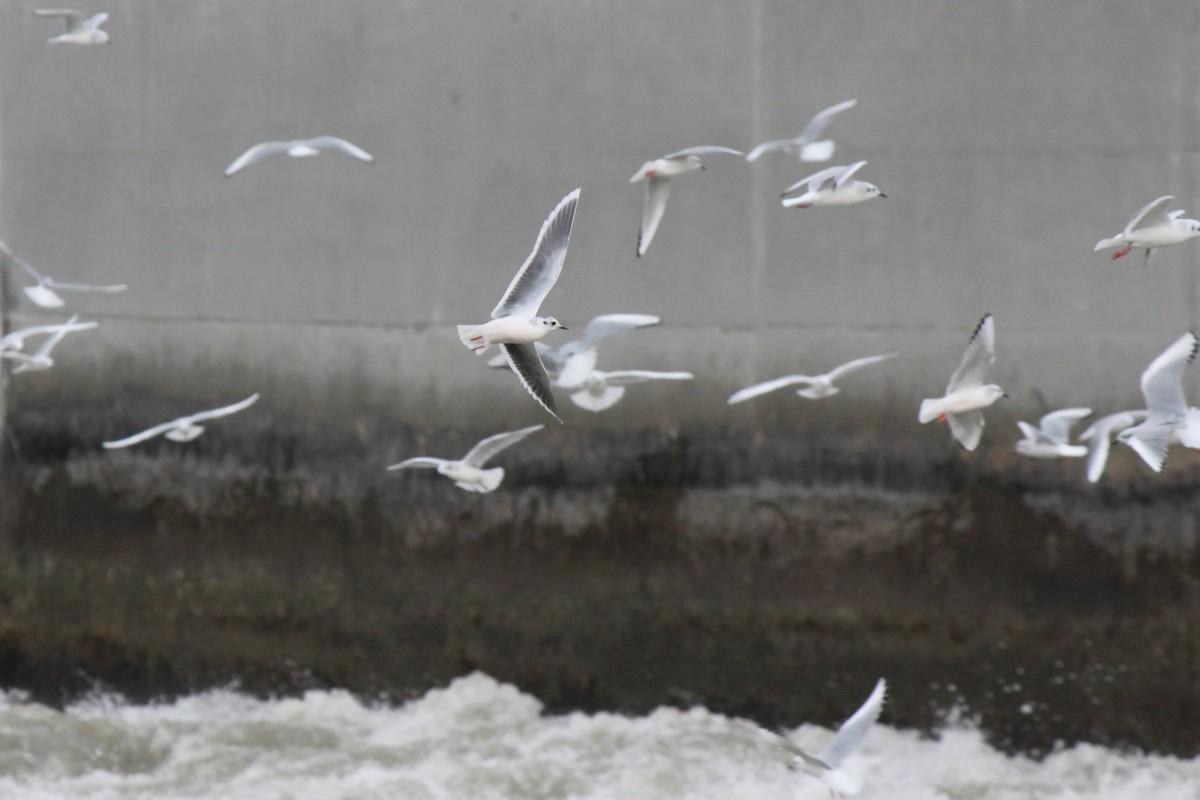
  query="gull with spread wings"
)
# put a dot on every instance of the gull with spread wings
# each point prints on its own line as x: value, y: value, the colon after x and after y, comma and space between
x: 966, y: 393
x: 805, y: 146
x: 819, y: 386
x: 41, y: 360
x: 183, y: 429
x: 833, y: 186
x: 1152, y: 226
x: 657, y: 173
x: 296, y: 148
x: 1050, y: 438
x: 468, y: 472
x: 79, y: 30
x: 1169, y: 419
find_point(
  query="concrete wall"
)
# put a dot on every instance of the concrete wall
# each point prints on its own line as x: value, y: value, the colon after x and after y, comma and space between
x: 1009, y: 136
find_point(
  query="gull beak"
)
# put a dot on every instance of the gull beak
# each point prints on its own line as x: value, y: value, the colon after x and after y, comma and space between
x: 884, y: 196
x: 563, y: 328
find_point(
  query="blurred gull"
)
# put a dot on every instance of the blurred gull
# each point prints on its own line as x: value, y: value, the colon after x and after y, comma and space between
x: 1101, y: 434
x: 819, y: 386
x: 297, y: 148
x: 1152, y: 226
x: 41, y: 360
x: 1050, y: 437
x: 831, y: 187
x: 43, y: 292
x: 827, y: 765
x: 183, y: 429
x: 596, y: 390
x: 15, y: 340
x: 805, y: 146
x: 515, y: 324
x: 556, y: 359
x: 966, y: 392
x: 657, y: 174
x: 79, y: 30
x: 468, y: 473
x: 1168, y: 419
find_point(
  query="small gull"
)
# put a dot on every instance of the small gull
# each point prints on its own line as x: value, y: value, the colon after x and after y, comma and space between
x: 515, y: 324
x: 15, y: 340
x: 966, y: 393
x: 468, y: 473
x: 183, y: 429
x: 819, y: 386
x: 41, y: 360
x: 555, y: 359
x: 1050, y: 438
x: 1101, y: 434
x: 596, y: 390
x: 297, y: 148
x: 831, y: 187
x: 43, y: 292
x: 1152, y: 226
x: 79, y: 30
x: 1168, y: 419
x: 805, y: 146
x: 827, y: 765
x: 657, y: 174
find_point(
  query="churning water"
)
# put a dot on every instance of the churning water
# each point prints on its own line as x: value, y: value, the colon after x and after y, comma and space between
x: 479, y: 738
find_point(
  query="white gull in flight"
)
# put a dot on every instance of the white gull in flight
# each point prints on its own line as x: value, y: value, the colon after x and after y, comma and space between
x: 805, y: 146
x: 658, y: 173
x: 818, y: 386
x: 1050, y: 438
x: 79, y: 30
x: 1152, y: 226
x: 183, y: 429
x: 966, y: 393
x: 468, y: 472
x: 833, y: 186
x: 297, y: 148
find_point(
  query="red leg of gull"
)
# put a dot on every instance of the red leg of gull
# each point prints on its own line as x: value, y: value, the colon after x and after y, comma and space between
x: 941, y: 417
x: 1122, y: 252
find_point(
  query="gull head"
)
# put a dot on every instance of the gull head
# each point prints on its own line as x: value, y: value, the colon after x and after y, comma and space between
x: 993, y: 392
x: 550, y: 323
x: 1192, y: 226
x: 871, y: 189
x: 694, y: 161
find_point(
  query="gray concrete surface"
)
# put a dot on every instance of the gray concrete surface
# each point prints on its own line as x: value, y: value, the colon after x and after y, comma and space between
x: 1009, y: 136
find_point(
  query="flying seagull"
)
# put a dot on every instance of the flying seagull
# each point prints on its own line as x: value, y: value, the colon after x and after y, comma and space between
x: 43, y: 291
x: 832, y: 186
x: 515, y: 323
x: 1050, y: 438
x: 556, y: 359
x: 468, y: 472
x: 79, y: 30
x: 966, y: 393
x: 1101, y: 433
x: 183, y: 429
x: 1152, y: 226
x: 818, y: 386
x: 1169, y: 418
x: 805, y: 146
x: 41, y: 360
x: 297, y: 148
x: 15, y: 340
x: 657, y: 174
x: 597, y: 390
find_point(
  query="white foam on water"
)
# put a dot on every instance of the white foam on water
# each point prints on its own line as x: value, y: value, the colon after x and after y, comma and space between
x: 479, y: 738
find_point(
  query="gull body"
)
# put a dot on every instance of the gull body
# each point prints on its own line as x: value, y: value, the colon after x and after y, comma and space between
x: 79, y: 30
x: 1050, y: 438
x: 296, y: 148
x: 1152, y: 226
x: 468, y: 472
x: 515, y: 324
x: 833, y: 186
x: 1100, y: 436
x: 805, y: 146
x: 597, y: 390
x: 966, y: 393
x: 183, y: 429
x: 41, y: 360
x: 42, y: 291
x: 818, y: 387
x: 573, y: 355
x: 827, y: 764
x: 1168, y: 417
x: 657, y: 174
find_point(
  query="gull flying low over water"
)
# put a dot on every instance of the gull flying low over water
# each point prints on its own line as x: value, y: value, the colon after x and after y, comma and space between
x: 966, y: 393
x: 657, y: 174
x: 41, y: 360
x: 79, y: 30
x: 297, y: 148
x: 468, y: 473
x: 1101, y: 434
x: 832, y: 186
x: 1152, y: 226
x: 43, y: 291
x: 15, y: 340
x: 1050, y: 438
x: 827, y: 765
x: 1168, y: 419
x: 805, y: 146
x: 819, y: 386
x: 515, y: 323
x: 183, y: 429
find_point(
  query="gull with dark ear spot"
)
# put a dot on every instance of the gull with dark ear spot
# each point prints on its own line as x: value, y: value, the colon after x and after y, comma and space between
x: 657, y: 174
x: 831, y: 187
x: 468, y: 472
x: 1152, y: 226
x: 297, y: 148
x: 805, y: 146
x: 516, y: 324
x: 79, y: 30
x: 966, y: 393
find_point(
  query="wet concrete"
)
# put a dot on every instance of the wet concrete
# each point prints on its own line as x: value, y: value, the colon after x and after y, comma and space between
x: 771, y: 576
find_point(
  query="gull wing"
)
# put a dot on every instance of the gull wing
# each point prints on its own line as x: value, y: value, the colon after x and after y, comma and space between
x: 25, y: 265
x: 817, y: 125
x: 420, y: 462
x: 980, y: 352
x: 704, y: 150
x: 850, y: 735
x: 608, y: 324
x: 96, y: 21
x: 71, y: 17
x: 224, y: 410
x: 770, y: 147
x: 1098, y: 457
x: 768, y: 386
x: 1162, y: 382
x: 17, y: 355
x: 149, y: 433
x: 657, y: 192
x: 255, y: 154
x: 967, y: 428
x: 626, y: 377
x: 857, y: 363
x: 56, y: 337
x: 538, y: 274
x: 1032, y: 432
x: 1152, y: 215
x: 16, y: 339
x: 1150, y: 440
x: 50, y: 283
x: 525, y: 362
x: 814, y: 181
x: 1057, y: 424
x: 334, y: 143
x: 847, y: 173
x: 478, y: 455
x: 786, y: 742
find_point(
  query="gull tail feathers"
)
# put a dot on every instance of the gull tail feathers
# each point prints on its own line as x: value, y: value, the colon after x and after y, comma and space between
x: 473, y: 338
x: 1104, y: 244
x: 930, y: 410
x: 817, y: 151
x: 598, y: 402
x: 489, y: 481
